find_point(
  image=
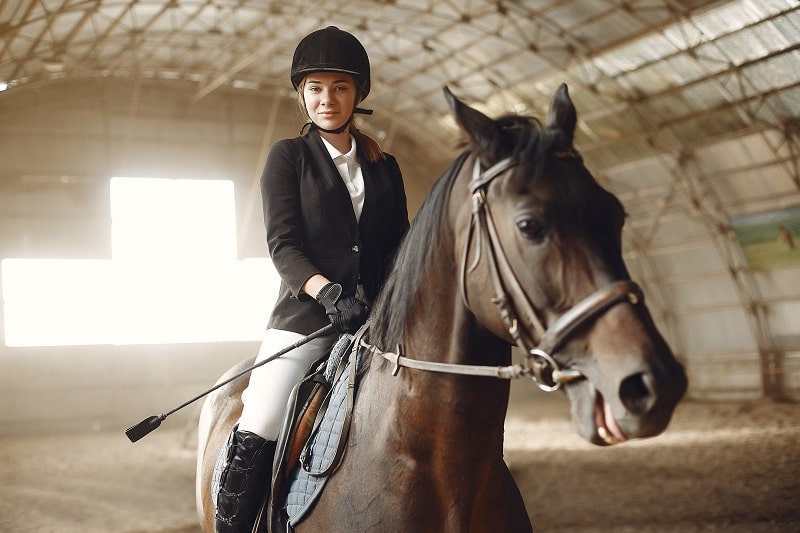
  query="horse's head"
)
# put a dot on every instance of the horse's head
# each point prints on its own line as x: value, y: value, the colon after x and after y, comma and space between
x: 542, y: 267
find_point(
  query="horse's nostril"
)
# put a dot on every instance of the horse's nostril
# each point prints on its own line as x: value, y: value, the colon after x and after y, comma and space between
x: 636, y: 393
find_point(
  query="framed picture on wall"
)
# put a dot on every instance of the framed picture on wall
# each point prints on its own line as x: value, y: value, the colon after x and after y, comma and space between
x: 770, y: 240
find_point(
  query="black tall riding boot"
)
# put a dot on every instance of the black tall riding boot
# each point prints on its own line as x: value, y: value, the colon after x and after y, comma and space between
x: 243, y: 481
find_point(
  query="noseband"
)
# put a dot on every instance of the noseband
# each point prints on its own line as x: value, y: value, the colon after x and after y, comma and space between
x: 512, y: 302
x: 510, y: 298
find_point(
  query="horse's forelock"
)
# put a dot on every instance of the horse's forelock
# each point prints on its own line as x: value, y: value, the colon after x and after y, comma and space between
x: 526, y: 140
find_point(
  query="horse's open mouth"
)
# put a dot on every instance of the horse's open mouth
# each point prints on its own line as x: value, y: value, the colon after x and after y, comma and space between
x: 607, y: 427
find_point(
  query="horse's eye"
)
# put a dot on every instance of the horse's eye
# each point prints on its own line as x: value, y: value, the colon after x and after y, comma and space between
x: 532, y: 228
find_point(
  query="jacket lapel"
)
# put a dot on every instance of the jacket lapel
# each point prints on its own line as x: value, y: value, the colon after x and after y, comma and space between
x: 340, y: 204
x: 370, y: 196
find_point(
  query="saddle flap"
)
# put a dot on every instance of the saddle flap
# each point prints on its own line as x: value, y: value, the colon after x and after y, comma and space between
x: 304, y: 404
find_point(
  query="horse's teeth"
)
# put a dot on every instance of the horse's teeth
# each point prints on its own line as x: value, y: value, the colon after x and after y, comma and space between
x: 606, y: 436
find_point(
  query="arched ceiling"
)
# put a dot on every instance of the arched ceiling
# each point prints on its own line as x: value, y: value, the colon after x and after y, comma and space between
x: 649, y: 76
x: 689, y: 110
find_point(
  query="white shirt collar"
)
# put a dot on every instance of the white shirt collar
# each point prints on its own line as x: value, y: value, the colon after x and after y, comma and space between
x: 350, y: 171
x: 336, y: 153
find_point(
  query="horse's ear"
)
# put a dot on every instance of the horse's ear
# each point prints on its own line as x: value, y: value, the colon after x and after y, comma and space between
x: 480, y: 130
x: 562, y: 116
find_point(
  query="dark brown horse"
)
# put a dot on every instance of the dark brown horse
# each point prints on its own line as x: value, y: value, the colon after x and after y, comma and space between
x: 517, y: 244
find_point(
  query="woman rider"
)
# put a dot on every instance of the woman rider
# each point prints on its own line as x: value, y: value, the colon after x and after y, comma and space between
x: 335, y: 212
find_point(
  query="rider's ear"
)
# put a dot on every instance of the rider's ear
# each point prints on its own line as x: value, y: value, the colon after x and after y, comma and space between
x: 562, y: 116
x: 480, y: 131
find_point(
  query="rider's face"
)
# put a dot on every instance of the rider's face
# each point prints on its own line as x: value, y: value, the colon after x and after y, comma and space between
x: 330, y: 98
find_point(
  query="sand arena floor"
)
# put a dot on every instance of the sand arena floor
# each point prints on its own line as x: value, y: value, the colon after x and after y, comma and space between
x: 732, y: 467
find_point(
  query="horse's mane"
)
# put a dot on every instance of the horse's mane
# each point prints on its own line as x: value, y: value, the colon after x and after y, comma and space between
x: 522, y: 138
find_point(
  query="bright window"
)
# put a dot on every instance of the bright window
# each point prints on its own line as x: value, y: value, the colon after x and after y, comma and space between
x: 173, y: 276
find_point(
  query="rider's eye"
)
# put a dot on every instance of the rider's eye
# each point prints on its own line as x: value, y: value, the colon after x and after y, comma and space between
x: 532, y: 228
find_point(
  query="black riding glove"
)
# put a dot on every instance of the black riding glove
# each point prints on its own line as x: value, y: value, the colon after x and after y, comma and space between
x: 345, y: 312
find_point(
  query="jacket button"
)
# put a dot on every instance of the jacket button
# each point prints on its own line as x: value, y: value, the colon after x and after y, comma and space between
x: 355, y: 248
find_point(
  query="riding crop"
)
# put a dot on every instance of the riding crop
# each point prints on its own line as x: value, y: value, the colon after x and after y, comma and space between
x: 151, y: 423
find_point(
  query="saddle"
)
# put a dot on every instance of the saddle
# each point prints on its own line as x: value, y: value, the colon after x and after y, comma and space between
x: 313, y: 437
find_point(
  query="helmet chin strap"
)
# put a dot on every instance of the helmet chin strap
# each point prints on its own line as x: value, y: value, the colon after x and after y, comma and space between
x: 340, y: 129
x: 344, y: 126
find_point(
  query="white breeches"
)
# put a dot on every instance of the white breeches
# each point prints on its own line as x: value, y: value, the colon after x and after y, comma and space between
x: 266, y: 396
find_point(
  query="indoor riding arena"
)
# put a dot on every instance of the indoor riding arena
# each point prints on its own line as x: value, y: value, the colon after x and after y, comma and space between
x: 135, y: 270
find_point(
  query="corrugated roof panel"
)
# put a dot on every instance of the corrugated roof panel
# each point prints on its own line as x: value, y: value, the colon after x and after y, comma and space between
x: 725, y: 19
x: 786, y: 103
x: 701, y: 260
x: 676, y: 231
x: 712, y: 59
x: 648, y: 174
x: 650, y: 79
x: 489, y: 22
x: 459, y: 36
x: 728, y: 376
x: 647, y: 207
x: 705, y: 95
x: 391, y: 72
x: 766, y: 8
x: 717, y: 330
x: 646, y: 212
x: 633, y: 56
x: 710, y: 291
x: 740, y: 188
x: 778, y: 71
x: 698, y: 129
x: 785, y: 317
x: 780, y: 284
x: 731, y: 191
x: 668, y: 105
x: 771, y: 35
x: 788, y: 25
x: 683, y: 69
x: 490, y: 50
x: 612, y: 154
x: 728, y: 155
x: 578, y: 13
x: 522, y: 67
x: 427, y: 87
x: 742, y: 47
x: 595, y: 34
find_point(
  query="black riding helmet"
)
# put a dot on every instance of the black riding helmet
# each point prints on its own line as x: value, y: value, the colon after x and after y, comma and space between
x: 331, y: 50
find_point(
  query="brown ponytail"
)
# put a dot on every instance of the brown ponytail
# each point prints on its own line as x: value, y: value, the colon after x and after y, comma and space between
x: 368, y: 145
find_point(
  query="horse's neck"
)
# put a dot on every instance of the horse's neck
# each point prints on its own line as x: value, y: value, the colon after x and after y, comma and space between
x: 453, y: 410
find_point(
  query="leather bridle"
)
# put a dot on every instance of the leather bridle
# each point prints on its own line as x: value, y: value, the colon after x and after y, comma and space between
x: 512, y: 302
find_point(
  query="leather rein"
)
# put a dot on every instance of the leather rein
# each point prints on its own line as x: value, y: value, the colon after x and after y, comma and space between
x: 512, y: 302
